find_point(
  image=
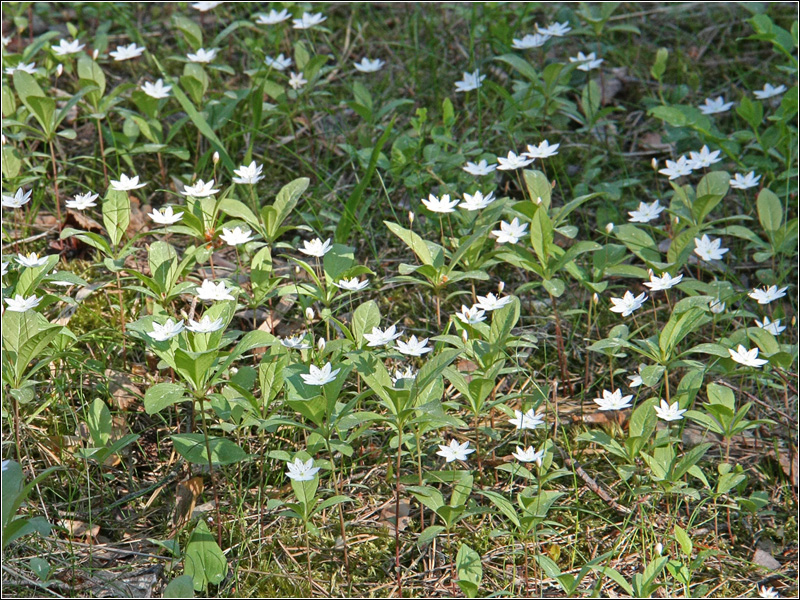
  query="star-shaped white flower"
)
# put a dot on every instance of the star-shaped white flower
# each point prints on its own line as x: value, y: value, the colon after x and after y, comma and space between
x: 413, y: 347
x: 527, y: 420
x: 211, y: 291
x: 317, y: 376
x: 19, y: 199
x: 635, y: 381
x: 127, y: 52
x: 709, y: 249
x: 379, y: 337
x: 443, y: 205
x: 455, y: 451
x: 161, y: 333
x: 491, y: 302
x: 741, y: 181
x: 510, y: 233
x: 767, y: 592
x: 470, y: 81
x: 202, y: 55
x: 165, y: 216
x: 477, y: 201
x: 31, y: 260
x: 613, y: 400
x: 273, y: 17
x: 767, y: 294
x: 29, y: 68
x: 512, y: 162
x: 529, y: 455
x: 205, y: 325
x: 471, y: 315
x: 351, y: 285
x: 769, y: 91
x: 281, y: 63
x: 296, y: 80
x: 677, y: 168
x: 296, y: 342
x: 717, y: 105
x: 774, y: 327
x: 748, y: 358
x: 407, y: 373
x: 529, y: 41
x: 544, y: 150
x: 301, y: 471
x: 369, y: 65
x: 20, y: 304
x: 586, y: 62
x: 66, y: 48
x: 205, y: 6
x: 669, y: 412
x: 308, y: 20
x: 126, y: 183
x: 316, y: 247
x: 555, y: 29
x: 156, y: 90
x: 201, y: 189
x: 716, y: 306
x: 628, y: 303
x: 480, y: 168
x: 248, y: 174
x: 236, y: 236
x: 664, y: 282
x: 704, y: 158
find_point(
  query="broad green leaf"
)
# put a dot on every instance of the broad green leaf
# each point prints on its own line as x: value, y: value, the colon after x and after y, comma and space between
x: 192, y: 447
x: 116, y: 214
x: 413, y: 241
x: 770, y: 211
x: 365, y: 317
x: 162, y: 395
x: 163, y: 261
x: 468, y: 565
x: 180, y: 587
x: 99, y: 422
x: 538, y: 187
x: 204, y: 560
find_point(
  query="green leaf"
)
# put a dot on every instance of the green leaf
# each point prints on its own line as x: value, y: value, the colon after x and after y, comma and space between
x: 89, y: 72
x: 684, y: 540
x: 180, y: 587
x: 710, y: 192
x: 162, y: 395
x: 365, y: 317
x: 770, y: 211
x: 116, y: 214
x: 204, y: 561
x: 190, y: 29
x: 196, y: 367
x: 660, y: 65
x: 192, y: 447
x: 468, y: 565
x: 163, y: 261
x: 99, y: 423
x: 25, y: 336
x: 538, y: 187
x: 413, y: 241
x: 502, y: 503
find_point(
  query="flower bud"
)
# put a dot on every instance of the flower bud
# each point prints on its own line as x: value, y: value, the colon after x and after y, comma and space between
x: 410, y: 218
x: 215, y: 157
x: 659, y: 548
x: 321, y: 344
x: 609, y: 227
x: 95, y: 54
x: 309, y: 314
x: 59, y: 70
x: 501, y: 286
x: 676, y: 220
x: 595, y: 298
x: 464, y: 336
x: 654, y: 164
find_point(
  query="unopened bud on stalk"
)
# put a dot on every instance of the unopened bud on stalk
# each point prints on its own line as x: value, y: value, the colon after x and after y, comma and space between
x: 654, y: 164
x: 95, y: 54
x: 609, y: 227
x: 59, y: 70
x: 410, y: 218
x: 501, y: 286
x: 321, y: 344
x: 595, y: 298
x: 659, y: 548
x: 676, y: 220
x: 309, y: 314
x: 215, y: 157
x: 464, y: 336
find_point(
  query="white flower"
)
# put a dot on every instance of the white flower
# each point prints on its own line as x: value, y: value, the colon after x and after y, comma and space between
x: 704, y: 158
x: 20, y: 304
x: 455, y: 451
x: 543, y: 150
x: 470, y: 81
x: 66, y: 48
x: 769, y: 91
x: 202, y: 55
x: 664, y: 282
x: 250, y: 174
x: 709, y: 249
x: 774, y: 327
x: 165, y: 216
x: 413, y: 347
x: 743, y: 182
x: 368, y: 65
x: 510, y: 233
x: 295, y: 342
x: 316, y: 247
x: 716, y: 307
x: 635, y: 380
x: 555, y: 29
x: 613, y: 400
x: 477, y: 201
x: 587, y: 62
x: 6, y: 42
x: 628, y: 303
x: 19, y: 199
x: 205, y: 6
x: 210, y: 291
x: 273, y: 17
x: 308, y: 20
x: 527, y: 420
x: 378, y: 337
x: 678, y: 168
x: 235, y: 236
x: 535, y: 40
x: 768, y: 592
x: 513, y: 162
x: 279, y: 64
x: 471, y: 315
x: 768, y: 294
x: 31, y: 260
x: 201, y: 189
x: 445, y: 205
x: 156, y: 90
x: 205, y: 325
x: 352, y: 285
x: 529, y: 455
x: 301, y: 471
x: 407, y: 373
x: 28, y: 68
x: 669, y: 412
x: 748, y: 358
x: 491, y: 302
x: 296, y: 80
x: 127, y: 52
x: 317, y: 376
x: 481, y: 168
x: 125, y: 184
x: 4, y: 270
x: 712, y: 107
x: 161, y: 333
